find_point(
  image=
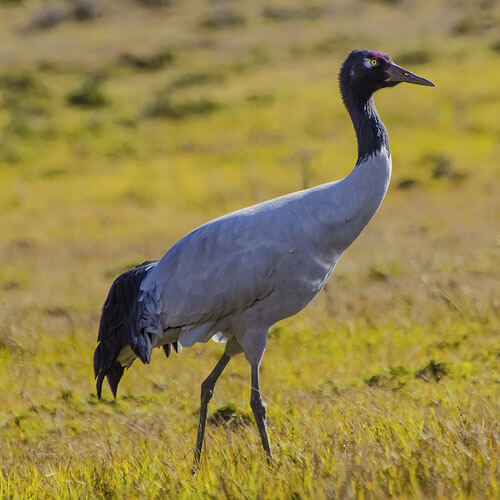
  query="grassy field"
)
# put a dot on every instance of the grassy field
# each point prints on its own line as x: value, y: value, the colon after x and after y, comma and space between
x: 122, y: 131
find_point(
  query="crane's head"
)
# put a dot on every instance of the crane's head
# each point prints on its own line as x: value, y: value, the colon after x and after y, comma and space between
x: 365, y: 71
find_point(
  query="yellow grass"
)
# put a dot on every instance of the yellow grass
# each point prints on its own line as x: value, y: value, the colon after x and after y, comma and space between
x: 387, y: 385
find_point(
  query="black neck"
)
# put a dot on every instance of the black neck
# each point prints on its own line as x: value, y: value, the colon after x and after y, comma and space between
x: 370, y: 130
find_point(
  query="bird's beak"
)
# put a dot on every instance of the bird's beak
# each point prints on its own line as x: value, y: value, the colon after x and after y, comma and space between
x: 398, y: 74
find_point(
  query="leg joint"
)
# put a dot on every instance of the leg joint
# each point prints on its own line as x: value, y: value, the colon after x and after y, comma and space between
x: 257, y: 404
x: 207, y: 390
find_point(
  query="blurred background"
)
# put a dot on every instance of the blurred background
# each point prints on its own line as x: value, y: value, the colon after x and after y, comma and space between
x: 125, y: 124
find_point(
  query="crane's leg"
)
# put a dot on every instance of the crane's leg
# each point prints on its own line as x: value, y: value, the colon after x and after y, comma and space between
x: 207, y: 390
x: 259, y: 411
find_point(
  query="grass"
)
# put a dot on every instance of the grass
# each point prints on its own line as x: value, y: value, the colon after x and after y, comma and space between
x: 386, y: 385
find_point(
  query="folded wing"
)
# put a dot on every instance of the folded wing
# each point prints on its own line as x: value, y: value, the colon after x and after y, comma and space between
x: 219, y: 269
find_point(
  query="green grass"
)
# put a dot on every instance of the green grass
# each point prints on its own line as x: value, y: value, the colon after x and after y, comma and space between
x: 388, y: 384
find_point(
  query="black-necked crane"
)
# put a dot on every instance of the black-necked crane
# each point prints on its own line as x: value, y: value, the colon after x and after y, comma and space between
x: 233, y: 278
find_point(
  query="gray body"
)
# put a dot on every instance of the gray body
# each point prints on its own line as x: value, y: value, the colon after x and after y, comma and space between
x: 236, y: 276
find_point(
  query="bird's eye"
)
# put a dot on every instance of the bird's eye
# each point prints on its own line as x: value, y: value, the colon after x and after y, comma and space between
x: 374, y: 62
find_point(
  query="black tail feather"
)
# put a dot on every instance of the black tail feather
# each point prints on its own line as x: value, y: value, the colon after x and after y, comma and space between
x: 167, y: 348
x: 115, y: 331
x: 114, y: 375
x: 98, y: 385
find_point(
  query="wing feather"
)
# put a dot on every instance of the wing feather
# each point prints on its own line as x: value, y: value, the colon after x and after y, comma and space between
x: 218, y: 269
